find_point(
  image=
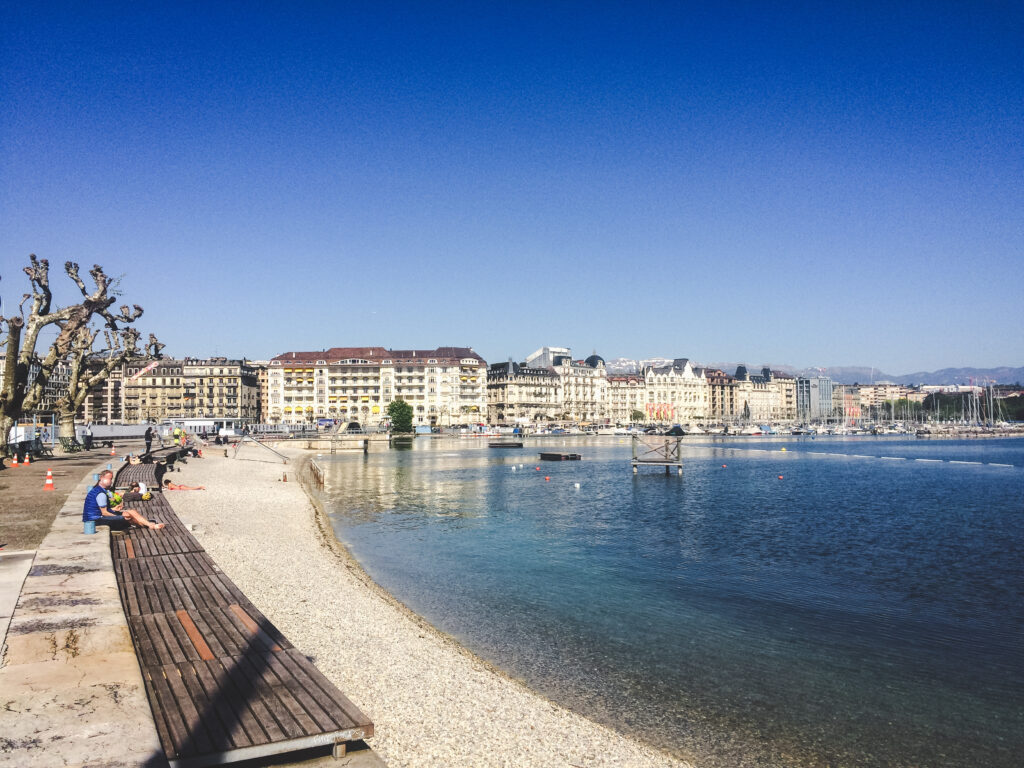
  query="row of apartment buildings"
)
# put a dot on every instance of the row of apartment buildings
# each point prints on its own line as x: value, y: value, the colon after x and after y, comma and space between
x: 551, y: 385
x: 452, y: 386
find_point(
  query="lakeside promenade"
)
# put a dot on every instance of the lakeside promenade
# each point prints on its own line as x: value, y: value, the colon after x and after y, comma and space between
x: 433, y: 703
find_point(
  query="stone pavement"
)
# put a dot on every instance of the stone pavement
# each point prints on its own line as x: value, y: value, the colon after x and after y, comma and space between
x: 71, y: 693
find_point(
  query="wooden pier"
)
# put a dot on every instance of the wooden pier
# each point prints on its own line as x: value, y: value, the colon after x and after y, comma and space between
x: 658, y: 451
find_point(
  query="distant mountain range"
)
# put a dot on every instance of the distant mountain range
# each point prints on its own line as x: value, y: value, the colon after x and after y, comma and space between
x: 849, y: 374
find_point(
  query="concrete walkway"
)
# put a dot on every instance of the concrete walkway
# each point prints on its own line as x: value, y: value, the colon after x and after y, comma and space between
x: 71, y: 693
x: 13, y: 570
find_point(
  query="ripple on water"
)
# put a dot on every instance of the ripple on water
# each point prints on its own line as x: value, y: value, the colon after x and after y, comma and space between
x: 861, y: 613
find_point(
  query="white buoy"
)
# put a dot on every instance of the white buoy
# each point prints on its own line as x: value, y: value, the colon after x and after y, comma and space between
x: 577, y: 485
x: 513, y: 467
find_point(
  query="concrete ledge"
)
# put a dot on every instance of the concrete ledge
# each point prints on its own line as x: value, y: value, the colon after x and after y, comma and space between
x: 71, y: 692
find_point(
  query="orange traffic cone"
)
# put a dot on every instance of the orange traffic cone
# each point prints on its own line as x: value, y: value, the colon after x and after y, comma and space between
x: 112, y: 451
x: 48, y: 485
x: 27, y: 460
x: 14, y: 461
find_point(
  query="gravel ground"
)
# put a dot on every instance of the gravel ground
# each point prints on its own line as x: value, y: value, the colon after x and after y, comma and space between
x: 431, y: 701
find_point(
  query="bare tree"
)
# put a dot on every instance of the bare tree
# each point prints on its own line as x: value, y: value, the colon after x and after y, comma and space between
x: 89, y: 368
x: 25, y: 372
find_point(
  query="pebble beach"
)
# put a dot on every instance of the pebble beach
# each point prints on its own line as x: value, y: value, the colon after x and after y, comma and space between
x: 432, y: 702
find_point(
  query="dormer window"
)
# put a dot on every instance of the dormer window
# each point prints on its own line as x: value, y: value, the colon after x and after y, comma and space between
x: 321, y: 362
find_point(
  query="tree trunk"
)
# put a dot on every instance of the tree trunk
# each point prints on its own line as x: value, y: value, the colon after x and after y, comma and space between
x: 66, y: 426
x: 6, y: 423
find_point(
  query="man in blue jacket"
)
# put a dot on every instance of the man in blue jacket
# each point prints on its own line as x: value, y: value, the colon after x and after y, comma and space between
x: 97, y: 508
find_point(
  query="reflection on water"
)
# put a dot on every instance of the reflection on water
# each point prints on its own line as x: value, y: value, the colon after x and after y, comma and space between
x: 859, y: 611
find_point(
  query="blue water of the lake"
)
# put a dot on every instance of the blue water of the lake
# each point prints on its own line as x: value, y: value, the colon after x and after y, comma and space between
x: 853, y: 602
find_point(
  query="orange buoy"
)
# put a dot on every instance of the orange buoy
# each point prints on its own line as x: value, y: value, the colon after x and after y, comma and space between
x: 538, y: 469
x: 780, y: 477
x: 48, y: 485
x: 723, y: 466
x: 546, y: 479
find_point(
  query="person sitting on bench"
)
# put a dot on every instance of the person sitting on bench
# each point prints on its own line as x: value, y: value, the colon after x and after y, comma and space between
x: 97, y: 508
x: 168, y: 485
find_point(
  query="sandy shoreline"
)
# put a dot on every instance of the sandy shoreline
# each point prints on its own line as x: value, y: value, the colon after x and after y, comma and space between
x: 432, y: 702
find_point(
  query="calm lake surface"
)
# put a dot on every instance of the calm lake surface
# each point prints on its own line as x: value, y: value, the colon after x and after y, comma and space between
x: 866, y: 609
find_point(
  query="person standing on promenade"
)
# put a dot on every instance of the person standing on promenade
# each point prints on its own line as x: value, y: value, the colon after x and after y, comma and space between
x: 97, y: 508
x: 149, y: 438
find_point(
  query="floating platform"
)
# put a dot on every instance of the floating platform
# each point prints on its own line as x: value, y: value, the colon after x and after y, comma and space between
x: 560, y: 457
x: 649, y: 450
x: 506, y: 444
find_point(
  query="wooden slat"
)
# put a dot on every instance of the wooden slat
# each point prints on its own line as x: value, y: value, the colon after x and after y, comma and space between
x: 198, y: 739
x: 273, y: 688
x: 227, y: 691
x: 312, y: 680
x: 195, y: 636
x: 301, y: 696
x: 158, y: 694
x: 246, y: 690
x: 234, y: 733
x: 253, y: 627
x: 170, y: 712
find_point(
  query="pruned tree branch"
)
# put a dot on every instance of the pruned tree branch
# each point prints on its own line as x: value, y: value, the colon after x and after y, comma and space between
x: 23, y: 387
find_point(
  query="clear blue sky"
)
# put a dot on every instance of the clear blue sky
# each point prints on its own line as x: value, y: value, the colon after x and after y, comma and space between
x: 804, y: 183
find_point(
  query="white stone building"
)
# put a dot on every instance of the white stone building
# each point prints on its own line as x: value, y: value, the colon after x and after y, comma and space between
x: 446, y: 386
x: 676, y: 393
x: 584, y: 389
x: 518, y: 394
x: 627, y: 393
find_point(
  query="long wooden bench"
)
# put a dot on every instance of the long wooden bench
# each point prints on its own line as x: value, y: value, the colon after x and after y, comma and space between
x: 223, y: 682
x: 151, y: 471
x: 149, y: 474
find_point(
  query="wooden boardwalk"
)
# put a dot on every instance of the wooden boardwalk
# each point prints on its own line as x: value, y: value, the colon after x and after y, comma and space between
x: 151, y: 472
x: 223, y: 682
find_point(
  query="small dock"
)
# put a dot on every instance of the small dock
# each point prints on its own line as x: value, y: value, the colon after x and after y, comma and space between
x: 657, y: 451
x: 560, y: 457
